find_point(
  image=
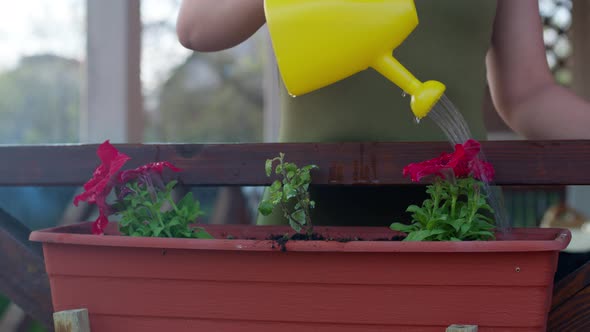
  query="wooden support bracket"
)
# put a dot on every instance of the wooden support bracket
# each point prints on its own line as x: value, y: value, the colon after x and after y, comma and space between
x: 71, y: 321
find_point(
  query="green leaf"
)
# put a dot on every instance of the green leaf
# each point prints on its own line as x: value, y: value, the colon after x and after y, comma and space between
x: 295, y: 225
x: 299, y: 216
x: 486, y: 207
x: 402, y: 227
x: 201, y: 233
x: 484, y: 217
x: 465, y: 228
x: 482, y: 224
x: 265, y: 207
x: 305, y: 178
x: 481, y: 235
x: 276, y: 185
x: 423, y: 235
x: 289, y: 192
x: 457, y: 224
x: 157, y: 231
x: 276, y: 197
x: 418, y: 236
x: 308, y: 168
x: 435, y: 223
x: 186, y: 202
x: 171, y: 185
x: 268, y: 167
x: 413, y: 208
x: 290, y: 168
x: 173, y: 222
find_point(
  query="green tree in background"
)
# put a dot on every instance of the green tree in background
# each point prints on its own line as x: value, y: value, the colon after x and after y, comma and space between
x: 40, y: 101
x: 211, y: 98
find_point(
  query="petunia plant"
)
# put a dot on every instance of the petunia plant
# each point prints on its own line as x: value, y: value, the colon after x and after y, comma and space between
x: 142, y: 199
x: 457, y: 209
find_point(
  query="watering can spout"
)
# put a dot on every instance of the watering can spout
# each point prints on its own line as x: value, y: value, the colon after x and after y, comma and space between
x: 318, y: 43
x: 424, y: 95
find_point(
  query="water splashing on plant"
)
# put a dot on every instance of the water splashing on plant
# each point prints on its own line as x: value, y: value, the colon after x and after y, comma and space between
x: 452, y: 123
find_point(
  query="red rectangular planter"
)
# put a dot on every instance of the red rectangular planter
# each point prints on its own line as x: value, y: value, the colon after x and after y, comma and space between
x: 156, y: 284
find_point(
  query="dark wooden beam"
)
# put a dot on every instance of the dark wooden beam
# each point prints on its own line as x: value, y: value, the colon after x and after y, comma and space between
x: 570, y: 285
x: 572, y: 315
x: 517, y: 162
x: 22, y: 271
x: 571, y: 302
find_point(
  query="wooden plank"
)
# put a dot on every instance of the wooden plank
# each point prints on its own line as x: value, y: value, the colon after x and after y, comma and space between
x: 22, y: 271
x: 517, y: 162
x: 72, y: 321
x: 569, y: 286
x: 572, y: 315
x: 571, y: 302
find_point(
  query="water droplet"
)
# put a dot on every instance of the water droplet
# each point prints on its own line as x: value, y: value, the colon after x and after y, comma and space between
x: 417, y: 120
x: 292, y: 95
x: 404, y: 94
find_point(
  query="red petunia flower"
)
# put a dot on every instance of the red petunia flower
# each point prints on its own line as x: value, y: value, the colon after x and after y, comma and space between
x: 100, y: 224
x: 463, y: 162
x: 472, y: 165
x: 482, y: 170
x: 100, y: 185
x: 432, y: 167
x: 146, y: 170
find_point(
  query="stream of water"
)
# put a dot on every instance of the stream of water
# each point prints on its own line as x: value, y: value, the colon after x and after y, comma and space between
x: 452, y: 123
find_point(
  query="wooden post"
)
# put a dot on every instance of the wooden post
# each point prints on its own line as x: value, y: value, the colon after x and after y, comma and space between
x: 462, y: 328
x: 113, y: 109
x: 271, y: 91
x: 72, y: 321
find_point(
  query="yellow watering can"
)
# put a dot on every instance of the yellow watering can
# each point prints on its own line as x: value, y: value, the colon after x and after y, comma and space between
x: 320, y: 42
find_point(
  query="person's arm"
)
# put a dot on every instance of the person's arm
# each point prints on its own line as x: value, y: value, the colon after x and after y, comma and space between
x: 214, y: 25
x: 523, y: 90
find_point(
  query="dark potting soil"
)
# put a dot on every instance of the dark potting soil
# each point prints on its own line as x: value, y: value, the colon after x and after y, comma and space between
x: 282, y: 240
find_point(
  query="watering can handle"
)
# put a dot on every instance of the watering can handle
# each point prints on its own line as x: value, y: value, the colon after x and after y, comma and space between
x: 424, y: 95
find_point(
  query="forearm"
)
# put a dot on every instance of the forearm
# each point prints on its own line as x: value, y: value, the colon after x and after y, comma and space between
x: 523, y: 89
x: 213, y: 25
x: 553, y: 112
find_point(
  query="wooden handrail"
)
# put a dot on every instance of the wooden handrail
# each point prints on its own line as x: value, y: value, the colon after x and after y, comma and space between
x: 516, y: 162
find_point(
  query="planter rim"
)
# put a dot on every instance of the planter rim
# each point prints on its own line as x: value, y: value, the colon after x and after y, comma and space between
x: 518, y: 240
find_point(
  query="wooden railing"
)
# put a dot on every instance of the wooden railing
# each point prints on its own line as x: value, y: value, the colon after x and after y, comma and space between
x: 517, y: 163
